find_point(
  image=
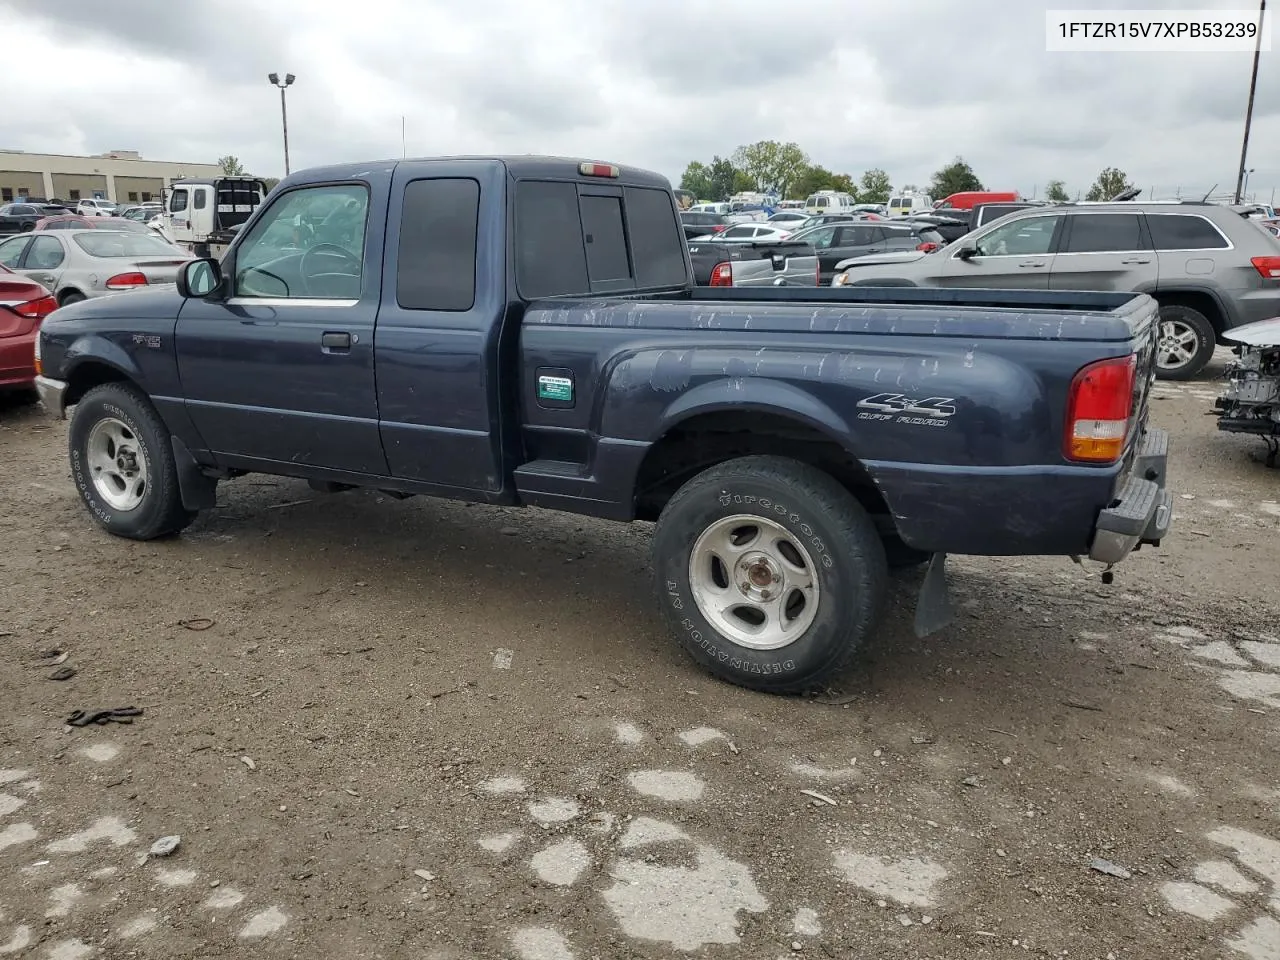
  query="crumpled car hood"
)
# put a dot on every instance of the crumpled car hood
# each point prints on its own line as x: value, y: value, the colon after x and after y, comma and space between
x: 1263, y: 333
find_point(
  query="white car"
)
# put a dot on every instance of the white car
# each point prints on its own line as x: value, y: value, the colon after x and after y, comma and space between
x: 95, y: 208
x: 746, y: 232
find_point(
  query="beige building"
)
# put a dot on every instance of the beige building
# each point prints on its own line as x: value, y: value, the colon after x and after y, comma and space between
x: 120, y: 175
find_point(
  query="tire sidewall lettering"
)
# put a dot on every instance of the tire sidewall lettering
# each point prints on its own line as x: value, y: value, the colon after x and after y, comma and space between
x: 698, y: 632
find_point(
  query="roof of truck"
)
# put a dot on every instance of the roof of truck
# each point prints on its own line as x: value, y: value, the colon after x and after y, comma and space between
x: 518, y: 165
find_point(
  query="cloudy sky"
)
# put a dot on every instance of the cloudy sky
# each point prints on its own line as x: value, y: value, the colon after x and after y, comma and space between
x: 905, y: 86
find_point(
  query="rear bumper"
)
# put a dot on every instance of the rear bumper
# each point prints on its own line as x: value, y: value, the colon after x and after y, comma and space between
x: 18, y: 361
x: 1143, y: 508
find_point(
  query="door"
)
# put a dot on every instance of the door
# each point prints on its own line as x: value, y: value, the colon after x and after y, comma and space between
x: 1017, y: 255
x: 180, y: 213
x: 280, y: 373
x: 440, y: 367
x: 1105, y: 251
x: 44, y: 260
x: 855, y: 240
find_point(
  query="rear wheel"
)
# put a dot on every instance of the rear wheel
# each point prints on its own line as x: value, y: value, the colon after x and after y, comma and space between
x: 1186, y: 342
x: 769, y: 573
x: 122, y: 464
x: 70, y: 297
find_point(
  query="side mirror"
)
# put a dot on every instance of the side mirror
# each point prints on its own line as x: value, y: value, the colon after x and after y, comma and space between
x: 199, y: 278
x: 967, y: 252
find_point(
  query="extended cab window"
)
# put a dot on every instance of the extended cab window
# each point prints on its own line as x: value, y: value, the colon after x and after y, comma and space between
x: 309, y: 244
x: 1022, y: 238
x: 1105, y: 233
x: 436, y: 262
x: 200, y: 199
x: 1171, y: 231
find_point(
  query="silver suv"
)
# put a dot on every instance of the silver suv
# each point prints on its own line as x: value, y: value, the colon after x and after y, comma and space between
x: 1209, y: 268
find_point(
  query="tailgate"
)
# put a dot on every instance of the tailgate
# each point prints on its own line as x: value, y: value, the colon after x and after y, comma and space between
x: 776, y: 270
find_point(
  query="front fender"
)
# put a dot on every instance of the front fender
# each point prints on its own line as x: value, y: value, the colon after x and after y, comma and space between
x: 95, y: 348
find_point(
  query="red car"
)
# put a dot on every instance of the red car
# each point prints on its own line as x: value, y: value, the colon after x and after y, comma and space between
x: 23, y: 304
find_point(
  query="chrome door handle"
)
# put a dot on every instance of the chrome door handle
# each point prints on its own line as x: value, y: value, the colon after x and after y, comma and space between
x: 1133, y: 260
x: 1031, y: 263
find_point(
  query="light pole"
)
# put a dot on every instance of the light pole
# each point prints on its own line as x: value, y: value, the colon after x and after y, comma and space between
x: 1244, y: 190
x: 284, y: 113
x: 1253, y: 86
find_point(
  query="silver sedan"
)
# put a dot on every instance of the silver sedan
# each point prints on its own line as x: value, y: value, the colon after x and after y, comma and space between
x: 77, y: 264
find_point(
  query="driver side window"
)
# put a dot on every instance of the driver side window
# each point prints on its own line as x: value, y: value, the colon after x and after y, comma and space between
x: 308, y: 245
x: 1030, y: 236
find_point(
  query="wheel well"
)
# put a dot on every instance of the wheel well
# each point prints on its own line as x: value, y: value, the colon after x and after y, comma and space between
x: 62, y: 297
x: 708, y: 439
x: 1196, y: 300
x: 88, y: 375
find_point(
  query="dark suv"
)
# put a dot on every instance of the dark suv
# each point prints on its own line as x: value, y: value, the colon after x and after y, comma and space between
x: 835, y: 242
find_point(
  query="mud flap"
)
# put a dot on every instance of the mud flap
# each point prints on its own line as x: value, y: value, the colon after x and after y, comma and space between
x: 933, y: 606
x: 198, y: 491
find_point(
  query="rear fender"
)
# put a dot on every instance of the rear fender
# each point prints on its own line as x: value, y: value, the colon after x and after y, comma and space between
x: 755, y: 395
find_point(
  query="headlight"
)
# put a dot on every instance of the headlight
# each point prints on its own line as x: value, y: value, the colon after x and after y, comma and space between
x: 840, y: 279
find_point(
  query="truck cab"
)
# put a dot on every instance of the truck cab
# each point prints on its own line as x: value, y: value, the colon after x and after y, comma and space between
x: 202, y: 215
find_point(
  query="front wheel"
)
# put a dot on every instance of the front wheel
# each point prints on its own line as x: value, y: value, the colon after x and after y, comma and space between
x: 122, y: 464
x: 769, y: 573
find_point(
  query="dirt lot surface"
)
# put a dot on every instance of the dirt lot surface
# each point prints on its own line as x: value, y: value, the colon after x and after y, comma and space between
x: 424, y: 730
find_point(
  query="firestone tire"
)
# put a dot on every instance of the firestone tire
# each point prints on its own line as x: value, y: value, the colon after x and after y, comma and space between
x: 122, y: 464
x: 759, y: 523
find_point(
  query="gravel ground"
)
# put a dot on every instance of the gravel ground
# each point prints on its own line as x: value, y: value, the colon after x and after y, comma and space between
x: 416, y: 729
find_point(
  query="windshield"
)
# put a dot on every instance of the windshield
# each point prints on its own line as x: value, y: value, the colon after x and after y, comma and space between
x: 117, y: 243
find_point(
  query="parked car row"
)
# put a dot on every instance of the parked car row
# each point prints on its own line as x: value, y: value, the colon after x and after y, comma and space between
x: 1209, y: 268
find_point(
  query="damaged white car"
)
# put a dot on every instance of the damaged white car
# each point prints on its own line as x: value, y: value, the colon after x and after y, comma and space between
x: 1251, y: 401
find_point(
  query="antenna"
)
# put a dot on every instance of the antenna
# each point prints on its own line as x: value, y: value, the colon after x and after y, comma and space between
x: 404, y: 150
x: 1205, y: 198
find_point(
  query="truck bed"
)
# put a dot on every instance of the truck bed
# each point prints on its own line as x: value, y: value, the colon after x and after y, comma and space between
x: 999, y: 365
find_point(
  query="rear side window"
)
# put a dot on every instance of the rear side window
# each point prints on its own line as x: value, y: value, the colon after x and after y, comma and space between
x: 1171, y: 231
x: 656, y: 246
x: 1105, y: 233
x: 550, y: 260
x: 436, y: 263
x: 199, y: 199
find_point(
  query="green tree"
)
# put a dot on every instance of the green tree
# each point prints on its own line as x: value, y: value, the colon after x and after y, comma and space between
x: 231, y: 166
x: 876, y: 186
x: 721, y: 177
x: 697, y: 180
x: 270, y: 182
x: 1056, y: 192
x: 815, y: 178
x: 1110, y: 182
x: 743, y: 182
x: 771, y: 165
x: 955, y: 177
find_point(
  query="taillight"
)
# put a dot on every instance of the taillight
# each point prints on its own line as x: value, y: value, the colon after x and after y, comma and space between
x: 722, y: 275
x: 36, y: 309
x: 588, y: 169
x: 1269, y: 267
x: 717, y: 228
x: 127, y: 281
x: 1098, y: 410
x: 927, y: 247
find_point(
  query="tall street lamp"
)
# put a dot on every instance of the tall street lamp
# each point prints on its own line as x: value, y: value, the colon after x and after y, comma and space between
x: 284, y: 113
x: 1253, y: 87
x: 1244, y: 191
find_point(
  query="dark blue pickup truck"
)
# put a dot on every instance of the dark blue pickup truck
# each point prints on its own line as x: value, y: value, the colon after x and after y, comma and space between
x: 525, y: 331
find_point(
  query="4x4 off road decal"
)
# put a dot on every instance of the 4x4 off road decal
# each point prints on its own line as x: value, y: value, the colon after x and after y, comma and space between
x: 928, y: 412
